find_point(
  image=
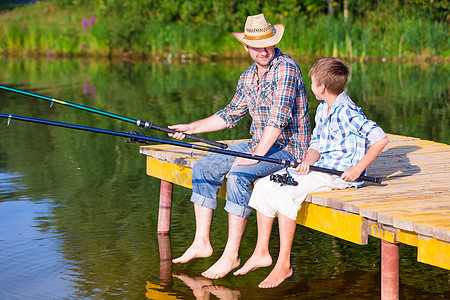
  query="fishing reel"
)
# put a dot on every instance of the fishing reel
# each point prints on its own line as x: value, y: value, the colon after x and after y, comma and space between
x: 283, y: 179
x: 135, y: 140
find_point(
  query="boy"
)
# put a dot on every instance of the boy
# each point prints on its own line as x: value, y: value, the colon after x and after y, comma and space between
x: 343, y: 139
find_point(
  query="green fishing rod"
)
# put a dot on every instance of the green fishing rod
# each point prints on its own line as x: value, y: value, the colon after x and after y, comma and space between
x: 147, y: 139
x: 139, y: 123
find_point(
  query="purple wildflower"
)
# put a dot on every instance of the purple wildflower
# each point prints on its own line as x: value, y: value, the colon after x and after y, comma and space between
x: 24, y: 25
x: 92, y: 19
x: 86, y: 88
x: 85, y: 24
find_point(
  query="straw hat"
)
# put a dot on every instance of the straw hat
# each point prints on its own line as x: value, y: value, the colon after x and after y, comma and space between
x: 259, y: 33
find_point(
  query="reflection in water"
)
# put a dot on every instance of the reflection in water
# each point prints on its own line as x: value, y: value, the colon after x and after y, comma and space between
x: 96, y: 237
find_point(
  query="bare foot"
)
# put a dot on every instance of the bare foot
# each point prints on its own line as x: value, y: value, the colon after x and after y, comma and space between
x: 253, y: 263
x: 276, y: 277
x: 222, y: 267
x: 194, y: 251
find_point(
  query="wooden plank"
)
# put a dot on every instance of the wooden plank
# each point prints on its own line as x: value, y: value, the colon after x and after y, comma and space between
x: 411, y: 206
x: 434, y: 252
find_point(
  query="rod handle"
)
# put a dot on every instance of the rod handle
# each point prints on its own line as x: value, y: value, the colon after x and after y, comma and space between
x: 339, y: 173
x: 189, y: 136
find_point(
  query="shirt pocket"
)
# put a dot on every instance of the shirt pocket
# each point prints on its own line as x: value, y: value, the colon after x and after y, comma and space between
x: 266, y: 91
x: 337, y: 134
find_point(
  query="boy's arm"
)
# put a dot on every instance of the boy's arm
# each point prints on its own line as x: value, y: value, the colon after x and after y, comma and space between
x: 374, y: 150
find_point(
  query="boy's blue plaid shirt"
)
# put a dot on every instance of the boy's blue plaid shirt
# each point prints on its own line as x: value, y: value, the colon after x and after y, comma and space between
x: 278, y: 100
x: 343, y: 136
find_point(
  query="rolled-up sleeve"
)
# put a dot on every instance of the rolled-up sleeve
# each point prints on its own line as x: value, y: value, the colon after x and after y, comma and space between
x: 359, y: 124
x: 236, y: 109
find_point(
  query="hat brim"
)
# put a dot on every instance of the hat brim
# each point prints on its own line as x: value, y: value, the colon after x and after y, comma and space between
x: 262, y: 43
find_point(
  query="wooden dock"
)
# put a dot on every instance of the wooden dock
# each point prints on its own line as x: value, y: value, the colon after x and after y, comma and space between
x: 411, y: 206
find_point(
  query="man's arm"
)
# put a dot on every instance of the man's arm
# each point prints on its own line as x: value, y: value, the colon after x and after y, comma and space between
x: 352, y: 173
x: 269, y: 137
x: 211, y: 123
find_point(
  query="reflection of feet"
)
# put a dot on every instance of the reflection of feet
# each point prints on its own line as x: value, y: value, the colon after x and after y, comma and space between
x: 276, y: 277
x: 196, y: 283
x: 196, y: 250
x: 222, y: 292
x: 222, y: 267
x: 253, y: 263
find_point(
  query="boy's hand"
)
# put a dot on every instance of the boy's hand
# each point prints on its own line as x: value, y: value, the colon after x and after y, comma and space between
x: 302, y: 168
x: 351, y: 174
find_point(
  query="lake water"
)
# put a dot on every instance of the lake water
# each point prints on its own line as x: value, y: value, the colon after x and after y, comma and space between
x: 78, y: 214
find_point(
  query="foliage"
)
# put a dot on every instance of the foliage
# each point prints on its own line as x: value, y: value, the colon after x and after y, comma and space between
x: 355, y: 29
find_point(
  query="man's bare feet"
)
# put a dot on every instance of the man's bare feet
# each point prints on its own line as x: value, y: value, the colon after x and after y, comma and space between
x: 194, y: 251
x: 276, y: 277
x: 253, y: 263
x: 222, y: 267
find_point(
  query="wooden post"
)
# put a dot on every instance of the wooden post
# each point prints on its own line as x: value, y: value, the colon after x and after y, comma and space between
x: 389, y: 270
x: 165, y: 259
x: 165, y: 207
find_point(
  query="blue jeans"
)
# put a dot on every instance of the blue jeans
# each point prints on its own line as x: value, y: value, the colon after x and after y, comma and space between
x: 209, y: 173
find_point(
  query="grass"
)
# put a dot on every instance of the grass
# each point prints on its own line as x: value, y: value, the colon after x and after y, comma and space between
x: 43, y: 28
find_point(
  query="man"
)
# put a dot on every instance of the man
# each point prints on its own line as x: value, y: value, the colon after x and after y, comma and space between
x: 273, y: 93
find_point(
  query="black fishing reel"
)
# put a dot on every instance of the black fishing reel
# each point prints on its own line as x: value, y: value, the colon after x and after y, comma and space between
x: 283, y: 179
x: 136, y: 139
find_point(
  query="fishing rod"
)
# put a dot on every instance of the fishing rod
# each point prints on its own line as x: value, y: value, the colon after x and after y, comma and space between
x: 115, y: 116
x: 146, y: 139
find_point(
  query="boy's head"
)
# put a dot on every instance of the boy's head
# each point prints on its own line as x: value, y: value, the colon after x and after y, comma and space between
x: 331, y: 72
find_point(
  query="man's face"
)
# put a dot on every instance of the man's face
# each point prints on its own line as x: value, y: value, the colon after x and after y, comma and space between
x: 261, y: 56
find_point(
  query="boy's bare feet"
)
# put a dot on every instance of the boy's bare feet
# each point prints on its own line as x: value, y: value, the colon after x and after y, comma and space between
x: 253, y: 263
x: 276, y: 277
x: 222, y: 267
x: 194, y: 251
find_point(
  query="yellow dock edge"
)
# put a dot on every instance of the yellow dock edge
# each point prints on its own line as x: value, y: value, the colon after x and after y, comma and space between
x: 347, y: 226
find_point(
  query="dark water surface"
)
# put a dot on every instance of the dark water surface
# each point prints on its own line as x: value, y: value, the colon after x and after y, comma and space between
x: 78, y: 214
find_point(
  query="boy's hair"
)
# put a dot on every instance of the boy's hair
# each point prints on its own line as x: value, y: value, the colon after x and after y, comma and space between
x: 332, y: 72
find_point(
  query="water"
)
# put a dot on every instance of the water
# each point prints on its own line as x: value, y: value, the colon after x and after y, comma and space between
x: 78, y: 214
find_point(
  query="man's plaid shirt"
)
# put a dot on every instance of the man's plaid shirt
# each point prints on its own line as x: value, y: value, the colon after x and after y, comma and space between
x: 279, y: 100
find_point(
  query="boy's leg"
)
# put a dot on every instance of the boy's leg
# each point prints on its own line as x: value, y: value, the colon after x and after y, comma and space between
x: 282, y: 269
x: 261, y: 255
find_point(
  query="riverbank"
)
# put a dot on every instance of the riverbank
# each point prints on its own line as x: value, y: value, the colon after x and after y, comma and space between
x: 53, y: 30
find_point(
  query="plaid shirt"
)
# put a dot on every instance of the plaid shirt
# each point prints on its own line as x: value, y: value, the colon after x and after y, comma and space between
x: 343, y: 136
x: 279, y: 100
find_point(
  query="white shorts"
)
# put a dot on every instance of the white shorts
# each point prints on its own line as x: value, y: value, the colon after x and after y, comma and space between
x: 270, y: 198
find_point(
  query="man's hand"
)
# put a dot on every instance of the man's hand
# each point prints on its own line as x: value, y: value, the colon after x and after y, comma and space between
x: 239, y: 161
x: 181, y: 128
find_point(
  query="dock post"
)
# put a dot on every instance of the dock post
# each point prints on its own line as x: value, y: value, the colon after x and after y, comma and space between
x: 165, y: 259
x: 165, y: 207
x: 389, y: 270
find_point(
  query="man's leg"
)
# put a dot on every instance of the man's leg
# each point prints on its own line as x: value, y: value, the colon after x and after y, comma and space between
x: 261, y: 255
x: 230, y: 257
x: 201, y: 246
x: 207, y: 177
x: 282, y: 269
